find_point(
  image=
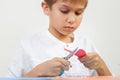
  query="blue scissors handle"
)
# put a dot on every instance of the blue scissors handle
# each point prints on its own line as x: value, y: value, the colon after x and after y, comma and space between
x: 62, y: 70
x: 62, y: 73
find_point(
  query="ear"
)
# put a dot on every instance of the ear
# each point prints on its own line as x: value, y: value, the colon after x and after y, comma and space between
x: 45, y: 8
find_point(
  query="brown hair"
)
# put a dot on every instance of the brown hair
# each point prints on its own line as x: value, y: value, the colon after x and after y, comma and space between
x: 51, y: 2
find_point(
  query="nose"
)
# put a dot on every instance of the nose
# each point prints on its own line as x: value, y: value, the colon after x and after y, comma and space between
x: 71, y: 19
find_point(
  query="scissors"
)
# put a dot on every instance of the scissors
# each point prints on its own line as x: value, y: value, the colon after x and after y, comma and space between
x: 68, y: 57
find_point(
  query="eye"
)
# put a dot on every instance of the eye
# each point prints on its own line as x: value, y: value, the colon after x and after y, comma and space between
x: 78, y: 13
x: 65, y: 11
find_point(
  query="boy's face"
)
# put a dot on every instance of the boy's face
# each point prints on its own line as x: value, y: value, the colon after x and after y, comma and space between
x: 65, y: 16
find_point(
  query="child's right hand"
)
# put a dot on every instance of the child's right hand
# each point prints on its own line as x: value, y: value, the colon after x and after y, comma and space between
x: 49, y: 68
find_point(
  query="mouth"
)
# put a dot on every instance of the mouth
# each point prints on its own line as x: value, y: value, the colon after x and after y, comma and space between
x: 69, y: 28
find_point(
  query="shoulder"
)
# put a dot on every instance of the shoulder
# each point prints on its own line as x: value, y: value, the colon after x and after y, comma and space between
x: 83, y: 39
x: 33, y: 40
x: 86, y: 43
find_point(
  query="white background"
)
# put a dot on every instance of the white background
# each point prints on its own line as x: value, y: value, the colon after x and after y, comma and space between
x: 101, y: 23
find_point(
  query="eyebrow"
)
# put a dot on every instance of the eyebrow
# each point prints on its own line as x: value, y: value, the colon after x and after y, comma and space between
x: 79, y: 9
x: 69, y: 7
x: 64, y: 6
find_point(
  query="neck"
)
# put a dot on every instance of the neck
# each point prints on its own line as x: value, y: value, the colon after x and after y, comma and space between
x: 61, y: 37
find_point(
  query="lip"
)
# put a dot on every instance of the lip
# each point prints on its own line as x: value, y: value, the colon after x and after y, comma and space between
x: 69, y: 27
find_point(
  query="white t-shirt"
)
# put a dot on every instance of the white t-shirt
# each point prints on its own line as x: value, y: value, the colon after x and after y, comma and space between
x: 44, y: 46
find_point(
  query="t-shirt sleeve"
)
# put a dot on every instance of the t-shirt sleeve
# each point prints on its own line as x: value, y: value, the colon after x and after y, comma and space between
x: 15, y: 68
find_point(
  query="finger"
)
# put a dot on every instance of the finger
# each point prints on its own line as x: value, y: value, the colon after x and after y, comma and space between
x: 63, y: 61
x: 88, y: 57
x: 56, y: 71
x: 92, y: 65
x: 64, y: 64
x: 86, y: 60
x: 65, y: 67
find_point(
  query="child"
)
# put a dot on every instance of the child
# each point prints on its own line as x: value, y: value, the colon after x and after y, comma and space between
x: 42, y: 54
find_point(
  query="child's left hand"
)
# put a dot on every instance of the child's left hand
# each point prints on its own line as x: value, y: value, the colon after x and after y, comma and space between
x: 94, y: 61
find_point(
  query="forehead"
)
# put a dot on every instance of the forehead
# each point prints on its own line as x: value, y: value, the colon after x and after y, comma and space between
x: 73, y: 2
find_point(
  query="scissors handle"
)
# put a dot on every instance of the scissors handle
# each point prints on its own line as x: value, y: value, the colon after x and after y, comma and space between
x: 62, y: 70
x: 62, y: 73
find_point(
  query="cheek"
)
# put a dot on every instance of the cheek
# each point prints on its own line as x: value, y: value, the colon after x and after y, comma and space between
x: 56, y: 15
x: 79, y: 20
x: 59, y: 19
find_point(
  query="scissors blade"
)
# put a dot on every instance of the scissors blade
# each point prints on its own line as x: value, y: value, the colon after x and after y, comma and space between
x: 71, y: 54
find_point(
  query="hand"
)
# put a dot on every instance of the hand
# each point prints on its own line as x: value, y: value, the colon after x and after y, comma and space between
x: 49, y: 68
x: 94, y: 61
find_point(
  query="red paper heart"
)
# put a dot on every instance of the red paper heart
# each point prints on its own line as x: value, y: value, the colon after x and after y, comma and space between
x: 80, y: 53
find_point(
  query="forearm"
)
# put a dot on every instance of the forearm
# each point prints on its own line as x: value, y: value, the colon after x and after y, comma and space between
x: 103, y: 70
x: 32, y: 73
